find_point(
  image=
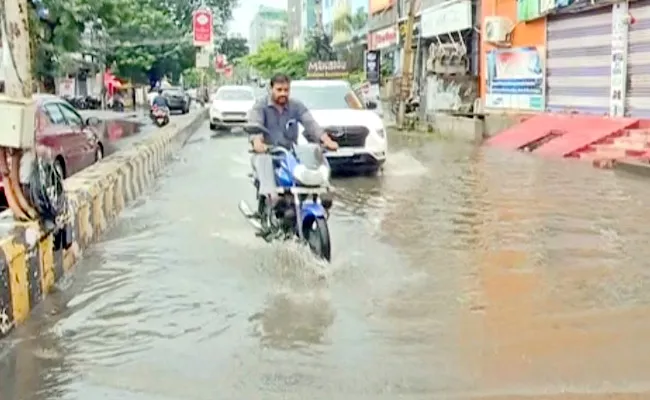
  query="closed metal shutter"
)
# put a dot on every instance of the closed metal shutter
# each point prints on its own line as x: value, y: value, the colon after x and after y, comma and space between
x: 579, y: 49
x: 638, y: 61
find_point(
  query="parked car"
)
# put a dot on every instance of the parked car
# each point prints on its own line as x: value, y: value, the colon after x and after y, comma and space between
x: 71, y: 142
x: 178, y: 99
x: 230, y: 106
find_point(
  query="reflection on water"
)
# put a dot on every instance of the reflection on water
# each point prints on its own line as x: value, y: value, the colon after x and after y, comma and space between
x: 458, y: 273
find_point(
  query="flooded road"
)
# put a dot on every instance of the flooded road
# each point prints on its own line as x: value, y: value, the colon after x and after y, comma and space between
x: 462, y: 273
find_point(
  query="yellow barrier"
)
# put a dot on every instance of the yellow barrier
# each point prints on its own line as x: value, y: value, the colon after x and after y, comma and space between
x: 33, y: 259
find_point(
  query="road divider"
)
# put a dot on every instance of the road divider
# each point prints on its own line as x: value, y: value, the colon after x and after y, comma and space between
x: 34, y: 258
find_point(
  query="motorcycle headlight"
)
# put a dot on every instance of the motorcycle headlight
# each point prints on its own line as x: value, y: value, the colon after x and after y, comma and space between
x: 312, y: 177
x: 381, y: 133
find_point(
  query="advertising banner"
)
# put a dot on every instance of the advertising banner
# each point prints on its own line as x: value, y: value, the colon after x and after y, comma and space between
x: 450, y: 16
x: 203, y: 58
x: 383, y: 38
x: 376, y: 6
x: 327, y: 69
x: 515, y: 78
x: 372, y: 66
x: 202, y: 27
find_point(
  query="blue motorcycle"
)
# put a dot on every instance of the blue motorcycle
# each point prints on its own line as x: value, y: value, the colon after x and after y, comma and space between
x: 302, y: 178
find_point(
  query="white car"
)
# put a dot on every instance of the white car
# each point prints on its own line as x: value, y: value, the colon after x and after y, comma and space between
x: 230, y: 106
x: 357, y: 129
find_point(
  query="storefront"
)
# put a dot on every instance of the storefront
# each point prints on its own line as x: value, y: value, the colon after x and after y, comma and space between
x: 578, y: 64
x: 446, y: 50
x: 448, y: 22
x: 638, y: 61
x: 386, y: 40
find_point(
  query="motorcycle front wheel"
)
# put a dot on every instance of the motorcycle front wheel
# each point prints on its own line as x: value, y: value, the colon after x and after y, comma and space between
x: 317, y: 235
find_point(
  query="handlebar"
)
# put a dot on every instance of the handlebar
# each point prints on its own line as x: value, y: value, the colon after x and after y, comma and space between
x: 272, y: 150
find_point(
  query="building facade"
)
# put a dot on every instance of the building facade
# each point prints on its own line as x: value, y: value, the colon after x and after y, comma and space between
x: 584, y: 56
x: 327, y: 16
x: 447, y: 60
x: 383, y: 32
x: 309, y: 19
x: 295, y: 22
x: 268, y: 24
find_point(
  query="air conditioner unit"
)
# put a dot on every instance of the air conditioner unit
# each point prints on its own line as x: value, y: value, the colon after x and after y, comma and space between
x: 497, y: 30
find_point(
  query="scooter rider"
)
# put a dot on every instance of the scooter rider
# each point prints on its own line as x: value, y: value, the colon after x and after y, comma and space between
x: 159, y: 100
x: 280, y: 115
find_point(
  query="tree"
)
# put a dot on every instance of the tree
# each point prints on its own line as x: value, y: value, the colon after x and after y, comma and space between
x: 131, y: 28
x: 170, y: 23
x: 272, y: 57
x: 234, y: 48
x: 318, y: 47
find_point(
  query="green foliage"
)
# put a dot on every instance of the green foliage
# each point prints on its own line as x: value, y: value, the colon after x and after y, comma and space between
x: 234, y: 48
x: 319, y: 47
x: 138, y: 37
x: 272, y: 58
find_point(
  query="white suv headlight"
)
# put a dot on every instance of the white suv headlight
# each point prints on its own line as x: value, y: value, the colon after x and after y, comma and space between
x: 381, y: 133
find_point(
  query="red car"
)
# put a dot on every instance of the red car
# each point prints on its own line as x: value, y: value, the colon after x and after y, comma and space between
x: 64, y: 137
x: 70, y: 141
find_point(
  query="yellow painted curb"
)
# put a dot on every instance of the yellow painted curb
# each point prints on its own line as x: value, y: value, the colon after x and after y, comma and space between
x: 32, y: 259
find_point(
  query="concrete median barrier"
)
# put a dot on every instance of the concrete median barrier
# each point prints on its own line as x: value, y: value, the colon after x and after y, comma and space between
x: 33, y: 259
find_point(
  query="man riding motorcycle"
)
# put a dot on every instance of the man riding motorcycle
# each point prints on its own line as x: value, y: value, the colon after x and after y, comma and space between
x: 280, y: 115
x: 159, y: 100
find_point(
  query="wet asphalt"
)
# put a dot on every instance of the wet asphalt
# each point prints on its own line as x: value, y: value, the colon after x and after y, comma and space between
x: 459, y: 273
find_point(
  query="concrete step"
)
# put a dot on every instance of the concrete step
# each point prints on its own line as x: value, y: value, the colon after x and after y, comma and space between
x: 631, y: 142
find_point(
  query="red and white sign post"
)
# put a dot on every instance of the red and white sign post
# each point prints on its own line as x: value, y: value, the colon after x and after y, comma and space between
x: 220, y: 63
x: 202, y: 27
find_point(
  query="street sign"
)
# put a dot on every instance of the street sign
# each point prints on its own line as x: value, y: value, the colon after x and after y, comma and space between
x: 203, y: 58
x: 220, y: 62
x: 202, y: 27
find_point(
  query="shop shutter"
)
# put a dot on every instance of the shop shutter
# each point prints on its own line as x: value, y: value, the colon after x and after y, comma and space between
x: 579, y: 48
x: 638, y: 61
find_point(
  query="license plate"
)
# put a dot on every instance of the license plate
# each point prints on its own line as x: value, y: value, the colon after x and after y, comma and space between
x: 341, y: 153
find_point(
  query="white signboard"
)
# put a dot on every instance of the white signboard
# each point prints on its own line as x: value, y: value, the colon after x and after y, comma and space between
x: 450, y: 16
x: 203, y: 58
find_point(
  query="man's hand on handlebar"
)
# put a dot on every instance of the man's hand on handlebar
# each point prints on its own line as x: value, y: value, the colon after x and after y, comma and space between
x: 328, y: 143
x: 259, y: 146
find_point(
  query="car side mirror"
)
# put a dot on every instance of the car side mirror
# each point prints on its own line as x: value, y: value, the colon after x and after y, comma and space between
x: 371, y: 105
x: 92, y: 121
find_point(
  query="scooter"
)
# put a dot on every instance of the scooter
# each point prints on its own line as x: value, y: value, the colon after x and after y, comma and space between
x: 302, y: 177
x: 160, y: 115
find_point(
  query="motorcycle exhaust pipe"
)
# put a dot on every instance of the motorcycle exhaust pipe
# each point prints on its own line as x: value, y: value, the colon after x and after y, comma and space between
x: 249, y: 215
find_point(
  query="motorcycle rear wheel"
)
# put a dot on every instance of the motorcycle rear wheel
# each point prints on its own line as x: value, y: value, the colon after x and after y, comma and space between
x: 317, y: 235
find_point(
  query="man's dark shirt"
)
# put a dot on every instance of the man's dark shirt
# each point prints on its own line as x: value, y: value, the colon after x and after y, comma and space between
x: 282, y: 123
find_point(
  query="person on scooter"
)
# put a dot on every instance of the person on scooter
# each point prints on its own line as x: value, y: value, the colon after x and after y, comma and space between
x: 280, y: 115
x: 159, y: 100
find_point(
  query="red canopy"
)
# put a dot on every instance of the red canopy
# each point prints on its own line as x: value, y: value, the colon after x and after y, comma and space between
x: 111, y: 82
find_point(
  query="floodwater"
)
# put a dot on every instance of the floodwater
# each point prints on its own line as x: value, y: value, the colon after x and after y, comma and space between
x: 461, y: 273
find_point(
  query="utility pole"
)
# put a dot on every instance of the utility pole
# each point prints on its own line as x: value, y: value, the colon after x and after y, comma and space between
x: 18, y: 79
x: 407, y: 65
x: 16, y: 107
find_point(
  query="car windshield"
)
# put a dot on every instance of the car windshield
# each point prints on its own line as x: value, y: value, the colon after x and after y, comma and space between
x: 327, y: 97
x: 235, y: 94
x: 173, y: 92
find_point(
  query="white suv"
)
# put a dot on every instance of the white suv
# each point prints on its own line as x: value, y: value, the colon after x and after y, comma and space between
x: 359, y: 131
x: 230, y: 106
